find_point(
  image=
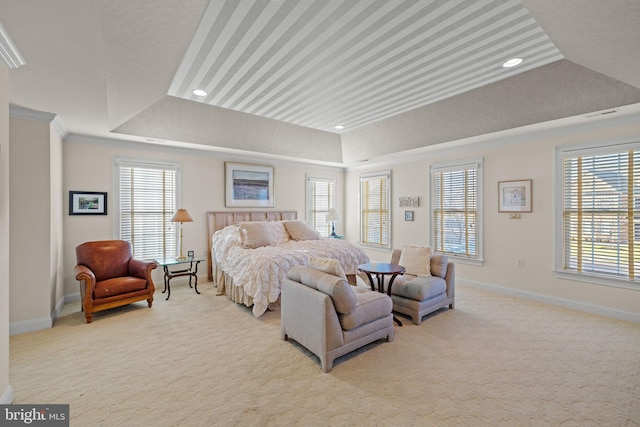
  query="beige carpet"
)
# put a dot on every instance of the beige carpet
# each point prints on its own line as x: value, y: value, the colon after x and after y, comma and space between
x: 201, y: 360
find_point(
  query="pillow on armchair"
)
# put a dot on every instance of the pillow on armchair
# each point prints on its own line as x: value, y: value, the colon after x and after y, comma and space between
x: 416, y: 260
x: 439, y: 265
x: 327, y: 265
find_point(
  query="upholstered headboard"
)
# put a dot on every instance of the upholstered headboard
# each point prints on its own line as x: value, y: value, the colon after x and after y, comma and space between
x: 218, y: 220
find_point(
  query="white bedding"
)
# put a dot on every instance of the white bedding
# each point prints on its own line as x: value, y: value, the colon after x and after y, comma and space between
x: 260, y: 271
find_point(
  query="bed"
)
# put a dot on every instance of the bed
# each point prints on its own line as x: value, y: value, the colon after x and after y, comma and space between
x: 249, y: 270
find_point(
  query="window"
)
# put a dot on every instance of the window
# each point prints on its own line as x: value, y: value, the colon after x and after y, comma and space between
x: 456, y: 203
x: 321, y: 195
x: 600, y: 190
x: 375, y: 209
x: 146, y: 194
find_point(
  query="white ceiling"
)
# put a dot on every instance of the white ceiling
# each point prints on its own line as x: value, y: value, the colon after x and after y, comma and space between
x: 281, y: 73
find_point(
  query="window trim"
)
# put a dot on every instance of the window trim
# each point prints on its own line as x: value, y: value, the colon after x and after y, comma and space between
x: 386, y: 173
x: 478, y: 163
x: 584, y: 149
x: 141, y: 163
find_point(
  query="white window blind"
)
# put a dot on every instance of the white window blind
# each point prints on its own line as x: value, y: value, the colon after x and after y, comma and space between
x: 320, y: 198
x: 147, y: 201
x: 455, y: 203
x: 375, y: 209
x: 600, y: 212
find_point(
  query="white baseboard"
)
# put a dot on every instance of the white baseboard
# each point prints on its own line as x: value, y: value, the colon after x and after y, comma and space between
x: 32, y: 325
x: 72, y: 298
x: 7, y: 396
x: 574, y: 305
x: 57, y: 310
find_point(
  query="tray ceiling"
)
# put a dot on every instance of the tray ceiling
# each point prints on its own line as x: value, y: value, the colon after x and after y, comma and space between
x: 353, y: 62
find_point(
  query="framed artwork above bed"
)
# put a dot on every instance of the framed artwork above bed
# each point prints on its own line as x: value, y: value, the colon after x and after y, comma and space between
x: 248, y: 185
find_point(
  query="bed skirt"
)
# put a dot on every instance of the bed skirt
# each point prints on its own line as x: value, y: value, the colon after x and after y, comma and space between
x: 224, y: 283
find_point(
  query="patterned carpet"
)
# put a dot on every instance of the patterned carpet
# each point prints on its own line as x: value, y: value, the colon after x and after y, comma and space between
x: 201, y: 360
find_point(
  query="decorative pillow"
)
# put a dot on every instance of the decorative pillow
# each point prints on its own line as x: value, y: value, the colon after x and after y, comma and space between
x: 255, y: 234
x: 279, y: 234
x: 327, y: 265
x: 416, y: 260
x: 439, y: 265
x: 300, y: 230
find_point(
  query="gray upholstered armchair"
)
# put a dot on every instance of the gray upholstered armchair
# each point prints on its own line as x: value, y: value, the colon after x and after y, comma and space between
x: 329, y: 317
x: 428, y: 284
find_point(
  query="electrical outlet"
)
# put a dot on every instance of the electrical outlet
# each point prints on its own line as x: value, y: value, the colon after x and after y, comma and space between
x: 520, y: 262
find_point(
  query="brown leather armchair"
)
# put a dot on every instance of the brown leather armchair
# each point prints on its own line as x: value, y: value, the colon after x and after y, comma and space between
x: 110, y: 277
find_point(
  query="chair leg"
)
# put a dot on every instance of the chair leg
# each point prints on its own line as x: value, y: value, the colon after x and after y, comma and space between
x: 88, y: 316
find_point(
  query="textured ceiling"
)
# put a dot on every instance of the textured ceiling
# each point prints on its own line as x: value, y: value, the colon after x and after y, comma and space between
x: 353, y: 62
x: 398, y: 75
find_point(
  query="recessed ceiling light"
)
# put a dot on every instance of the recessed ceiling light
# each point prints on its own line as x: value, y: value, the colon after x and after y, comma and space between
x: 338, y: 127
x: 512, y: 62
x: 199, y: 92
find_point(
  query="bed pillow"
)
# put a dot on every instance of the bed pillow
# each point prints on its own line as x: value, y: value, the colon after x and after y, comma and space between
x: 416, y: 260
x: 300, y: 230
x: 255, y: 234
x: 327, y: 265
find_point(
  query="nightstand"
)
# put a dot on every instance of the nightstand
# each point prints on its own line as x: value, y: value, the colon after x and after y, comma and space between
x: 191, y: 271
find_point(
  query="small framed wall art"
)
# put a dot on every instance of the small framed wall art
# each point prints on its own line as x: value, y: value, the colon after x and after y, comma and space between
x: 408, y: 215
x: 87, y: 203
x: 409, y: 202
x: 514, y: 196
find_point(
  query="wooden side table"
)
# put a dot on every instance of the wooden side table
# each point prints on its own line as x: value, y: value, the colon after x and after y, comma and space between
x: 381, y: 269
x: 191, y: 271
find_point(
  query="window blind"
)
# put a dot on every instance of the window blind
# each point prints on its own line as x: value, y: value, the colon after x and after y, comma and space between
x: 375, y: 209
x: 147, y: 201
x: 601, y: 213
x: 455, y: 210
x: 320, y: 198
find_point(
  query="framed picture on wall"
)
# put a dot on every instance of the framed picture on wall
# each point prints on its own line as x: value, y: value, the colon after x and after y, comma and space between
x: 514, y: 196
x: 248, y: 185
x: 87, y: 203
x: 408, y: 215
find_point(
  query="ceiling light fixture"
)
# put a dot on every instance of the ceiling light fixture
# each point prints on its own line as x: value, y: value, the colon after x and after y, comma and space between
x: 338, y: 127
x: 512, y: 62
x: 199, y: 92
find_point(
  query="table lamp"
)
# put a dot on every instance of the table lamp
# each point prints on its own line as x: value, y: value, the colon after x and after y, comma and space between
x: 181, y: 216
x: 333, y: 216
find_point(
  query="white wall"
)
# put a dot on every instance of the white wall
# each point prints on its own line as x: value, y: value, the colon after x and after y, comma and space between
x: 89, y: 167
x: 531, y: 237
x: 56, y: 231
x: 30, y: 222
x: 6, y: 395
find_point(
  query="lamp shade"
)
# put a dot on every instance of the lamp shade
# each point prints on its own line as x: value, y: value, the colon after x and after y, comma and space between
x: 333, y: 215
x: 181, y: 215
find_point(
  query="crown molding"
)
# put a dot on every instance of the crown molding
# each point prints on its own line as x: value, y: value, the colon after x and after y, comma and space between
x: 17, y: 112
x: 9, y: 53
